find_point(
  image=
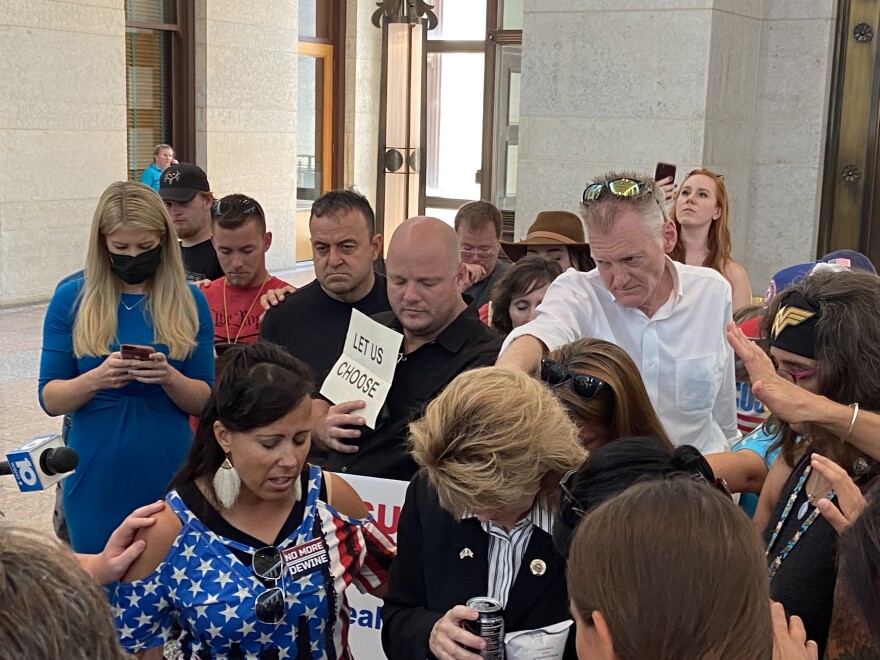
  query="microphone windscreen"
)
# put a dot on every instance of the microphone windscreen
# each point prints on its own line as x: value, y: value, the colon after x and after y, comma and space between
x: 59, y: 460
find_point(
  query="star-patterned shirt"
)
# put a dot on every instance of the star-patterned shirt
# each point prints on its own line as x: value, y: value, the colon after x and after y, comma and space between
x: 207, y: 580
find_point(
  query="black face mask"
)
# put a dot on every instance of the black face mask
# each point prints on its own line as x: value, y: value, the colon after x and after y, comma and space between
x: 136, y: 270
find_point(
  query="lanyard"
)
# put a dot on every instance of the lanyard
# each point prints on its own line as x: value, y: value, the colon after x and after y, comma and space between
x: 774, y: 565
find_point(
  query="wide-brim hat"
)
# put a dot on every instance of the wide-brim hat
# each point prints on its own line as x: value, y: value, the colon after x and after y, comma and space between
x: 550, y: 228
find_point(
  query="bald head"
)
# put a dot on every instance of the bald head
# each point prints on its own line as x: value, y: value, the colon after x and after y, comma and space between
x: 425, y: 231
x: 424, y: 274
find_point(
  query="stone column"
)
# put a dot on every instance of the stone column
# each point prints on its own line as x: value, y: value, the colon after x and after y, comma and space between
x: 738, y: 86
x: 62, y: 136
x: 246, y: 108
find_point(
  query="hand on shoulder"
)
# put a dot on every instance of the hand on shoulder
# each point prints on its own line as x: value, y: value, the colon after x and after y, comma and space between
x: 159, y: 539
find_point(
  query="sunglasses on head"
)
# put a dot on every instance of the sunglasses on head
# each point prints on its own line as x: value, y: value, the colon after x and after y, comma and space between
x: 692, y: 172
x: 238, y: 204
x: 268, y: 564
x: 586, y: 387
x: 623, y: 187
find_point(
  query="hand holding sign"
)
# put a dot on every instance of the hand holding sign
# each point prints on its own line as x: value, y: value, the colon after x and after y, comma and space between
x: 362, y: 374
x: 334, y: 428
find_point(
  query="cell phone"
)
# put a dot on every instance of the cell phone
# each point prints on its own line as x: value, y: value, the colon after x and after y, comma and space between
x: 663, y: 171
x: 135, y: 352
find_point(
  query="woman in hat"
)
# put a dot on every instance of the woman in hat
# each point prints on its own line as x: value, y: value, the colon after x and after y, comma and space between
x: 557, y: 235
x: 699, y: 212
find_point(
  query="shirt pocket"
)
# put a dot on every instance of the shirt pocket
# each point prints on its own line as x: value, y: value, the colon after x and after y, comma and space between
x: 696, y: 382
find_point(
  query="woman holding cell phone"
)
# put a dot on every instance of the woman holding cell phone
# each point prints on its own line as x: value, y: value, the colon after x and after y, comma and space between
x: 699, y: 211
x: 129, y: 409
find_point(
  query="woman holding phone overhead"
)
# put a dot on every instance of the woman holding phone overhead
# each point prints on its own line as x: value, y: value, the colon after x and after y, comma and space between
x: 129, y: 408
x: 699, y: 212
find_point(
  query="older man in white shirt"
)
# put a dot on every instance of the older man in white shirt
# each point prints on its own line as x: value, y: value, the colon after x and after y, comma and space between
x: 669, y: 317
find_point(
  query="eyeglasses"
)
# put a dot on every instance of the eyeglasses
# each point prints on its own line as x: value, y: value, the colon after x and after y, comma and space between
x: 268, y: 564
x: 623, y: 187
x: 795, y: 376
x: 586, y: 387
x: 570, y: 508
x: 478, y: 252
x: 238, y: 204
x: 792, y: 376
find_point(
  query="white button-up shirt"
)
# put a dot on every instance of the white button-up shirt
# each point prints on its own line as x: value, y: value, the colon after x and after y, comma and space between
x: 681, y: 351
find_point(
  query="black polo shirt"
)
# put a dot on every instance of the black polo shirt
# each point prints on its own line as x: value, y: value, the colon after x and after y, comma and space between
x: 311, y: 326
x: 420, y: 376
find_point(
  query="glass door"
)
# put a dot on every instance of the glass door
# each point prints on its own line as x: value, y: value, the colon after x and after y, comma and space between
x: 319, y: 103
x: 506, y: 137
x: 455, y: 110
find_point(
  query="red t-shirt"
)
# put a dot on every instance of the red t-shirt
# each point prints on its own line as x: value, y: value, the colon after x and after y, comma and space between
x: 241, y: 321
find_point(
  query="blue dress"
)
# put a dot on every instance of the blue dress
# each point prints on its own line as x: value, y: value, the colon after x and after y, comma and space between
x: 130, y: 440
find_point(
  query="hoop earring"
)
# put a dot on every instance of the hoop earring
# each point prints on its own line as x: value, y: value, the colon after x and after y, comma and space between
x: 227, y: 483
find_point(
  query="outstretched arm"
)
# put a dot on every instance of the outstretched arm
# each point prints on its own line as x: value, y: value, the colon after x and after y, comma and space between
x: 524, y: 353
x: 795, y: 405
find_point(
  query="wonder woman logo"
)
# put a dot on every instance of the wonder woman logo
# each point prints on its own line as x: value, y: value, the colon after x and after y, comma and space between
x: 789, y: 317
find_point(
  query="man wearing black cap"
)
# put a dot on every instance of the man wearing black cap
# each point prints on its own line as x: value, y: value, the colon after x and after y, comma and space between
x: 187, y: 195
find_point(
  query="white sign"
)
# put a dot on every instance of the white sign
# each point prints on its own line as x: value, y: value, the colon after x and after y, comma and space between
x: 384, y: 499
x: 366, y: 367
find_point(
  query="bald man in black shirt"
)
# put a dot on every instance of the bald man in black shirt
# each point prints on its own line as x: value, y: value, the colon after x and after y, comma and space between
x: 440, y: 340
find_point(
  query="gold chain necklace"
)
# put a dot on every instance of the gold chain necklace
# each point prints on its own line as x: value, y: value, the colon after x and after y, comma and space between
x: 246, y: 314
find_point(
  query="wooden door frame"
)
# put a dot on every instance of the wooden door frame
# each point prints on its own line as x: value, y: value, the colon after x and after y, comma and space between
x: 851, y: 181
x: 324, y: 52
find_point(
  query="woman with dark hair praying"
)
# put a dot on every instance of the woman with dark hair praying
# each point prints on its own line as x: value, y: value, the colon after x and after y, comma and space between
x: 255, y: 549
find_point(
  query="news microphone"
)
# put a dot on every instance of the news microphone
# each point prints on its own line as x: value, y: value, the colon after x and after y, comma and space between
x: 40, y: 463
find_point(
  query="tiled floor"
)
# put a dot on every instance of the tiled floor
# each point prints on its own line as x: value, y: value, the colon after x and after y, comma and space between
x: 21, y: 417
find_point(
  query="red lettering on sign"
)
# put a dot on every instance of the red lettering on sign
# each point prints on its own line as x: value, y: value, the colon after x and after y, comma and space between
x: 385, y: 511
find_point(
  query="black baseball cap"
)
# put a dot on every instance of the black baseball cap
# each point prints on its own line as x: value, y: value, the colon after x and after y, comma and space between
x: 180, y: 182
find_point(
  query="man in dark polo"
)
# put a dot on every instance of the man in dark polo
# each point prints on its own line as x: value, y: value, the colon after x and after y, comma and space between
x: 312, y: 322
x: 440, y: 340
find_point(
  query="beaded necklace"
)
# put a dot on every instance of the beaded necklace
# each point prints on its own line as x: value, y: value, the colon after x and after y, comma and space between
x: 774, y: 566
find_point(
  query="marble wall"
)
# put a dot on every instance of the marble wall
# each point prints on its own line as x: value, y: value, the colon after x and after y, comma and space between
x: 737, y: 85
x: 793, y: 96
x: 62, y: 135
x: 363, y: 68
x: 246, y: 109
x: 740, y: 86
